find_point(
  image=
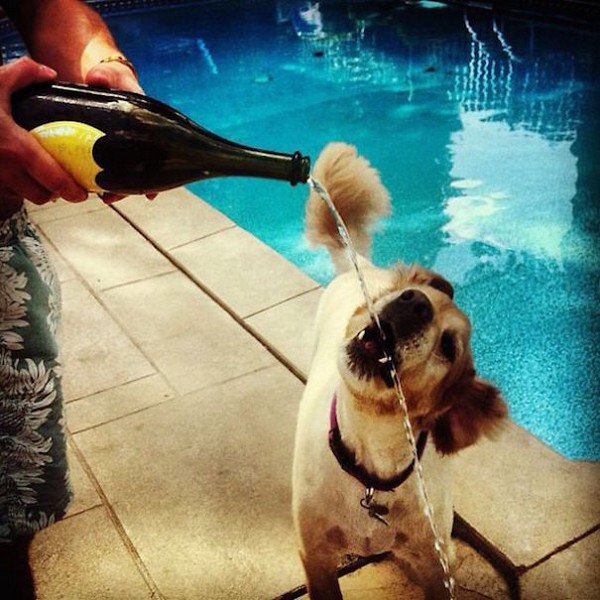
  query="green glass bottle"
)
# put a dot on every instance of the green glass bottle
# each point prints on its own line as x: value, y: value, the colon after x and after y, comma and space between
x: 128, y: 143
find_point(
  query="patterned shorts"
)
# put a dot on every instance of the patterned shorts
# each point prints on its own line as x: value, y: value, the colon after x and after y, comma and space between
x: 34, y: 486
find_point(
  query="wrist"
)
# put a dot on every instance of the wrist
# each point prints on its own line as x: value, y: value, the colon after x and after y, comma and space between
x: 103, y: 51
x: 120, y: 58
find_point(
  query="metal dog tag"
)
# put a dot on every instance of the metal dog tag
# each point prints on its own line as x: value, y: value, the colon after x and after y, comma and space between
x: 374, y: 509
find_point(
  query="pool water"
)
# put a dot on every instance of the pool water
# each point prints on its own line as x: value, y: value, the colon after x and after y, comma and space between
x: 485, y: 130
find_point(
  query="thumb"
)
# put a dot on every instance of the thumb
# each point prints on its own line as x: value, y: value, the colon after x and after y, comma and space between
x: 23, y: 72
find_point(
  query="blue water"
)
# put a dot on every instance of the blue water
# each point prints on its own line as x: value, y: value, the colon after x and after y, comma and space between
x: 485, y: 131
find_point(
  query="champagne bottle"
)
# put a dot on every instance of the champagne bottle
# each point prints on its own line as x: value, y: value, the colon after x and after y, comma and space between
x: 128, y: 143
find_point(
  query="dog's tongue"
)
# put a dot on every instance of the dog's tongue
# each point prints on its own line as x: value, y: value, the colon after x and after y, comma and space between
x: 371, y: 342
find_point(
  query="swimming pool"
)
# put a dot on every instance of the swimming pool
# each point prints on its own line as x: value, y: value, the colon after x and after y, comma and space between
x: 485, y: 130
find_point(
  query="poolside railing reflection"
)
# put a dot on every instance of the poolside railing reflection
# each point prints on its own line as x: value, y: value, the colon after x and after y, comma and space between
x: 490, y: 73
x: 537, y: 93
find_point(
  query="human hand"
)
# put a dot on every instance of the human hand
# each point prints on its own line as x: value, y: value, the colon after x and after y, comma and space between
x: 114, y: 74
x: 26, y: 169
x: 120, y: 76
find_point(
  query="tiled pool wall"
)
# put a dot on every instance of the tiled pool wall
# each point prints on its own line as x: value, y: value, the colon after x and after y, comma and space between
x: 579, y: 13
x: 116, y: 6
x: 583, y: 13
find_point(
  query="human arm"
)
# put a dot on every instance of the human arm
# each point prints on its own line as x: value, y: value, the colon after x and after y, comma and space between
x: 78, y: 55
x: 26, y: 169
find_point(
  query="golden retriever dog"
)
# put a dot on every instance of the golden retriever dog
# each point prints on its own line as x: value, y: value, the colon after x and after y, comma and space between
x: 355, y: 489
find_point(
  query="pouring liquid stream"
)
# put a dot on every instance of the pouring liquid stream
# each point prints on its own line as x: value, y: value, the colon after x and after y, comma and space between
x: 449, y: 582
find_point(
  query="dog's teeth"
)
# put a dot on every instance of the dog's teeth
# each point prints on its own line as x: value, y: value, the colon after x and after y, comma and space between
x: 383, y: 359
x: 361, y: 335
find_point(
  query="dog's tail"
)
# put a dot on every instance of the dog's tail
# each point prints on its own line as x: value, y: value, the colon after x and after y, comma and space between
x: 357, y: 193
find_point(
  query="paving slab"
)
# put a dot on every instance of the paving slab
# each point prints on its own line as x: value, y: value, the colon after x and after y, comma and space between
x: 84, y: 492
x: 573, y: 574
x: 202, y: 485
x: 96, y: 353
x: 244, y: 273
x: 174, y: 218
x: 289, y: 328
x: 61, y: 209
x: 476, y: 577
x: 117, y: 402
x: 190, y: 339
x: 523, y: 497
x: 380, y: 581
x: 32, y: 208
x: 63, y: 271
x: 83, y: 557
x: 104, y: 249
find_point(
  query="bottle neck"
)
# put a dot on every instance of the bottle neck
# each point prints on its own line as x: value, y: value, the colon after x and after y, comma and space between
x: 218, y: 159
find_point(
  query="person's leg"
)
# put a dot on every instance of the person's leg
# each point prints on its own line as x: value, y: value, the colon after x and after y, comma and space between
x: 16, y: 579
x: 34, y: 487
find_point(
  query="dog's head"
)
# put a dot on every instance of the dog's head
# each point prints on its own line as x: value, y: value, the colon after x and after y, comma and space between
x: 429, y: 338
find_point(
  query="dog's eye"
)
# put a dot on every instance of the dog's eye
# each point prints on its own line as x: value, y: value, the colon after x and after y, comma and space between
x: 448, y: 346
x: 439, y: 283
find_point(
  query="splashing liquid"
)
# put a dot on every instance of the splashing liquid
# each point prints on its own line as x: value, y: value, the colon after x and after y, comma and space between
x: 439, y: 544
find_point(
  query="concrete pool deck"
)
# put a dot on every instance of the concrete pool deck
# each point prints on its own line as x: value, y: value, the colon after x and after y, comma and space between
x: 185, y: 343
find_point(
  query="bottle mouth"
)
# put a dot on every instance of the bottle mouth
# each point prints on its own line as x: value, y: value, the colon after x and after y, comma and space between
x: 300, y: 169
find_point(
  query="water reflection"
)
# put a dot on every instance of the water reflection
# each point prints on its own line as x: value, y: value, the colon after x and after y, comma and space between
x: 519, y: 118
x: 523, y: 178
x: 539, y: 93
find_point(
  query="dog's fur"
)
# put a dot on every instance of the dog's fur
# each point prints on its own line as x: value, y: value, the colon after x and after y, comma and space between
x: 443, y: 394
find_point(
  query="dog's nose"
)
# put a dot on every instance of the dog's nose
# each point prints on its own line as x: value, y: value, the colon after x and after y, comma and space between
x: 408, y: 313
x: 417, y: 303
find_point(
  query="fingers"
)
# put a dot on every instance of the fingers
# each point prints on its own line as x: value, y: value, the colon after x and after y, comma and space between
x: 17, y: 182
x: 30, y: 189
x: 110, y: 198
x: 44, y: 169
x: 26, y: 168
x: 113, y: 75
x: 20, y: 73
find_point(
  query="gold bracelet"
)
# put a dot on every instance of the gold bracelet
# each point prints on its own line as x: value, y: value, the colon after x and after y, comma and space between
x: 120, y: 59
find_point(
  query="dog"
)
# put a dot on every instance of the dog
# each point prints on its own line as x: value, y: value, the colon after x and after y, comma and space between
x: 355, y: 491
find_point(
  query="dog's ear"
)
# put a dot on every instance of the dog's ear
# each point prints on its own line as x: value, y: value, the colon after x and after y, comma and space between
x: 443, y: 285
x: 419, y: 274
x: 476, y: 409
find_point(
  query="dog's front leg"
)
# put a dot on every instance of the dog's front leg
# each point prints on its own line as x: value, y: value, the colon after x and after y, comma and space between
x: 436, y: 590
x: 321, y: 576
x: 424, y: 568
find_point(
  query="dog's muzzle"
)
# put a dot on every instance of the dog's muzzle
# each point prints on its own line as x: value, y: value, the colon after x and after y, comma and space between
x: 407, y: 314
x: 401, y: 319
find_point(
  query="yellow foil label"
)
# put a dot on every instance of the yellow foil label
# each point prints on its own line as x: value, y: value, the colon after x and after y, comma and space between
x: 71, y: 144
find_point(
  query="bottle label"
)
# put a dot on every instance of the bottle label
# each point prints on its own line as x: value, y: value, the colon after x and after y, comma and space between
x: 71, y: 144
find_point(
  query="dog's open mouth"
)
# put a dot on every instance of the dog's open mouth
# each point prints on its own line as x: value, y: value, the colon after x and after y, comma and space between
x: 369, y: 352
